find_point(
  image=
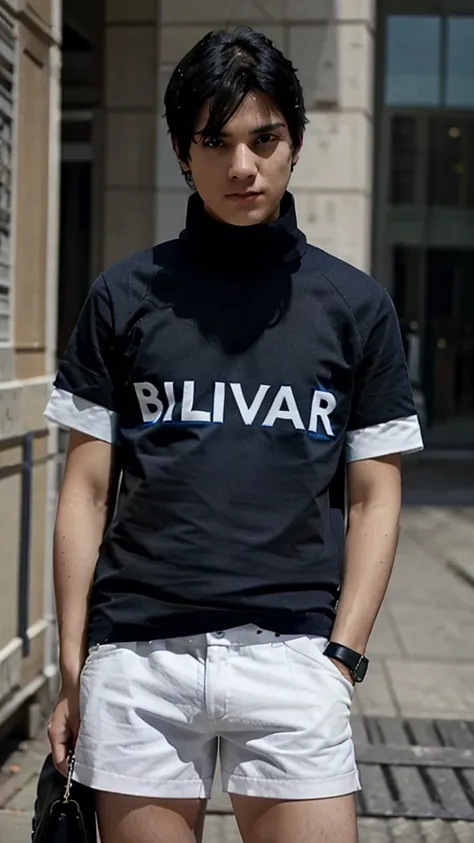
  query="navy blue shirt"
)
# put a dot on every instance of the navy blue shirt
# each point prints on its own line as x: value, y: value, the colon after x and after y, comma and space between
x: 237, y: 370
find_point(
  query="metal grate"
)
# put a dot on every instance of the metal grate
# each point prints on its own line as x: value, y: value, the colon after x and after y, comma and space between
x: 415, y: 768
x: 7, y: 95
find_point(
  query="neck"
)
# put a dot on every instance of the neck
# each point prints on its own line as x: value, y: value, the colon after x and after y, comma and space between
x: 274, y: 243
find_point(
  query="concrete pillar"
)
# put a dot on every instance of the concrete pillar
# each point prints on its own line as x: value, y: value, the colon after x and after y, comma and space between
x: 331, y: 43
x: 130, y: 114
x: 333, y: 181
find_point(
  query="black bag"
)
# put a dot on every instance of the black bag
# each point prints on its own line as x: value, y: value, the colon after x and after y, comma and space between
x: 64, y: 810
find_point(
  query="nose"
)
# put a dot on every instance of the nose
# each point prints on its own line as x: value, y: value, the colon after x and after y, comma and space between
x: 243, y: 165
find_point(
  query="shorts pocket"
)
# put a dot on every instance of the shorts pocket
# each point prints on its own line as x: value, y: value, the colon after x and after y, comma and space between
x: 98, y: 652
x: 310, y: 648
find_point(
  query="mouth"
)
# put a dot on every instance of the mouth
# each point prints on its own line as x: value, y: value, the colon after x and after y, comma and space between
x: 247, y: 196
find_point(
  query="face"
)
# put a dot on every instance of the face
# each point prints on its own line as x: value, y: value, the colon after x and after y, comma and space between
x: 242, y: 175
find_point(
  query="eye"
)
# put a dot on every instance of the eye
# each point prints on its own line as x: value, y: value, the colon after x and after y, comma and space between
x: 213, y: 143
x: 266, y: 138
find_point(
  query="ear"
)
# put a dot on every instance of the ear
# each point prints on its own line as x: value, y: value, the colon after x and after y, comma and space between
x: 184, y: 167
x: 296, y: 156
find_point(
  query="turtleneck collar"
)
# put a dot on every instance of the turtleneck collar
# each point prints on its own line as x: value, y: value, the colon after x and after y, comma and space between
x: 249, y: 248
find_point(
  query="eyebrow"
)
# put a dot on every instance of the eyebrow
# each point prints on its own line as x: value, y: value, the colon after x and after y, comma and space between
x: 260, y: 130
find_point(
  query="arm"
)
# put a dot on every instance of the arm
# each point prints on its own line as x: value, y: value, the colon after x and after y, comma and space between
x: 84, y: 400
x: 80, y: 523
x: 383, y: 425
x: 79, y: 530
x: 374, y: 503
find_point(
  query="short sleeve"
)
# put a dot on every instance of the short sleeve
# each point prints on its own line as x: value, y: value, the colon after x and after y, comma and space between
x: 383, y: 417
x: 84, y: 396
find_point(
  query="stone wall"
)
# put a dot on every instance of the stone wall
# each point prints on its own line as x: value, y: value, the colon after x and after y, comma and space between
x: 131, y: 122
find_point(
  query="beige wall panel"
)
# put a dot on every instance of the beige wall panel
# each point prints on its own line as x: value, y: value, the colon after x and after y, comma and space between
x: 10, y: 501
x: 320, y: 10
x: 226, y: 11
x: 33, y: 664
x: 334, y: 63
x: 130, y: 222
x: 35, y: 397
x: 6, y: 364
x: 10, y: 455
x: 37, y: 549
x: 39, y: 11
x: 131, y: 56
x: 132, y: 152
x: 22, y: 407
x: 336, y: 153
x: 31, y: 211
x: 247, y: 11
x: 337, y: 223
x: 11, y: 411
x: 176, y: 41
x: 40, y: 445
x: 123, y: 11
x: 29, y: 364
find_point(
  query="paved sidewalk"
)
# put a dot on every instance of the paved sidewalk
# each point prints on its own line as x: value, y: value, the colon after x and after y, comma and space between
x: 421, y: 650
x: 421, y: 666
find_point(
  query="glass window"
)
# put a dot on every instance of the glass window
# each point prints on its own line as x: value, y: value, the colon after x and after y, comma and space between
x: 460, y: 63
x: 451, y: 162
x: 447, y: 167
x: 470, y: 163
x: 403, y: 161
x: 413, y: 60
x: 407, y: 281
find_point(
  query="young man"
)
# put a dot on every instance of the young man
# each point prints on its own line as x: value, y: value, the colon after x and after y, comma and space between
x: 236, y: 376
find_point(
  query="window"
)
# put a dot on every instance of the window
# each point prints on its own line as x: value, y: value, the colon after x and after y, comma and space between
x: 7, y: 73
x: 404, y: 160
x: 447, y: 166
x: 451, y: 162
x: 460, y: 63
x: 413, y: 60
x: 430, y: 61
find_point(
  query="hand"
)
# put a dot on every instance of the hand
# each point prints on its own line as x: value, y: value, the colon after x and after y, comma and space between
x: 344, y: 670
x: 63, y: 727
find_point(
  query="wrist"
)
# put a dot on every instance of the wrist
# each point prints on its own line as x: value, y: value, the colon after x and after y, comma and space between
x: 70, y: 669
x: 70, y: 678
x: 357, y: 643
x: 353, y: 661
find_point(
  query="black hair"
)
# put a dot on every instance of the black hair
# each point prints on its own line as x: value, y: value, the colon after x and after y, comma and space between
x: 223, y: 68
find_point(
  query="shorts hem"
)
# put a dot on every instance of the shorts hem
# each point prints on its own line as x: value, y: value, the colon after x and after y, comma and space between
x: 149, y: 788
x: 293, y: 789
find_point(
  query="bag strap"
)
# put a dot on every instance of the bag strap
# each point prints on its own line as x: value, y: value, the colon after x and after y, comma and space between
x: 70, y: 772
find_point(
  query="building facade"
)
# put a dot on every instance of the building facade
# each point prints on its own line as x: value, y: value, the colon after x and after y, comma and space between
x: 30, y: 105
x: 385, y: 181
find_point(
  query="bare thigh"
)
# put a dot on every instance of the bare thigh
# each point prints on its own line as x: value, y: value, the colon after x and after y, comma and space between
x: 133, y: 819
x: 303, y: 821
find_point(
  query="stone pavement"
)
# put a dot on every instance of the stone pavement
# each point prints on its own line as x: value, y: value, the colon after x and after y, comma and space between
x: 422, y: 665
x: 422, y: 654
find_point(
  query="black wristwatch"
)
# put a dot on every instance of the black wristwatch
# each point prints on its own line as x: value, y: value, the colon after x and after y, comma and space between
x: 356, y: 663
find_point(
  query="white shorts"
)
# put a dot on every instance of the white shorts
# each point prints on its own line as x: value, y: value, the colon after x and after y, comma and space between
x: 154, y: 713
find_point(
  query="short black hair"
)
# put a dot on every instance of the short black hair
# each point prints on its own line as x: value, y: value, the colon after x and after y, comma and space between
x: 223, y: 68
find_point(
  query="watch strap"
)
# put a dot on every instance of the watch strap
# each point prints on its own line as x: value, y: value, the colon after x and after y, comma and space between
x: 356, y: 662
